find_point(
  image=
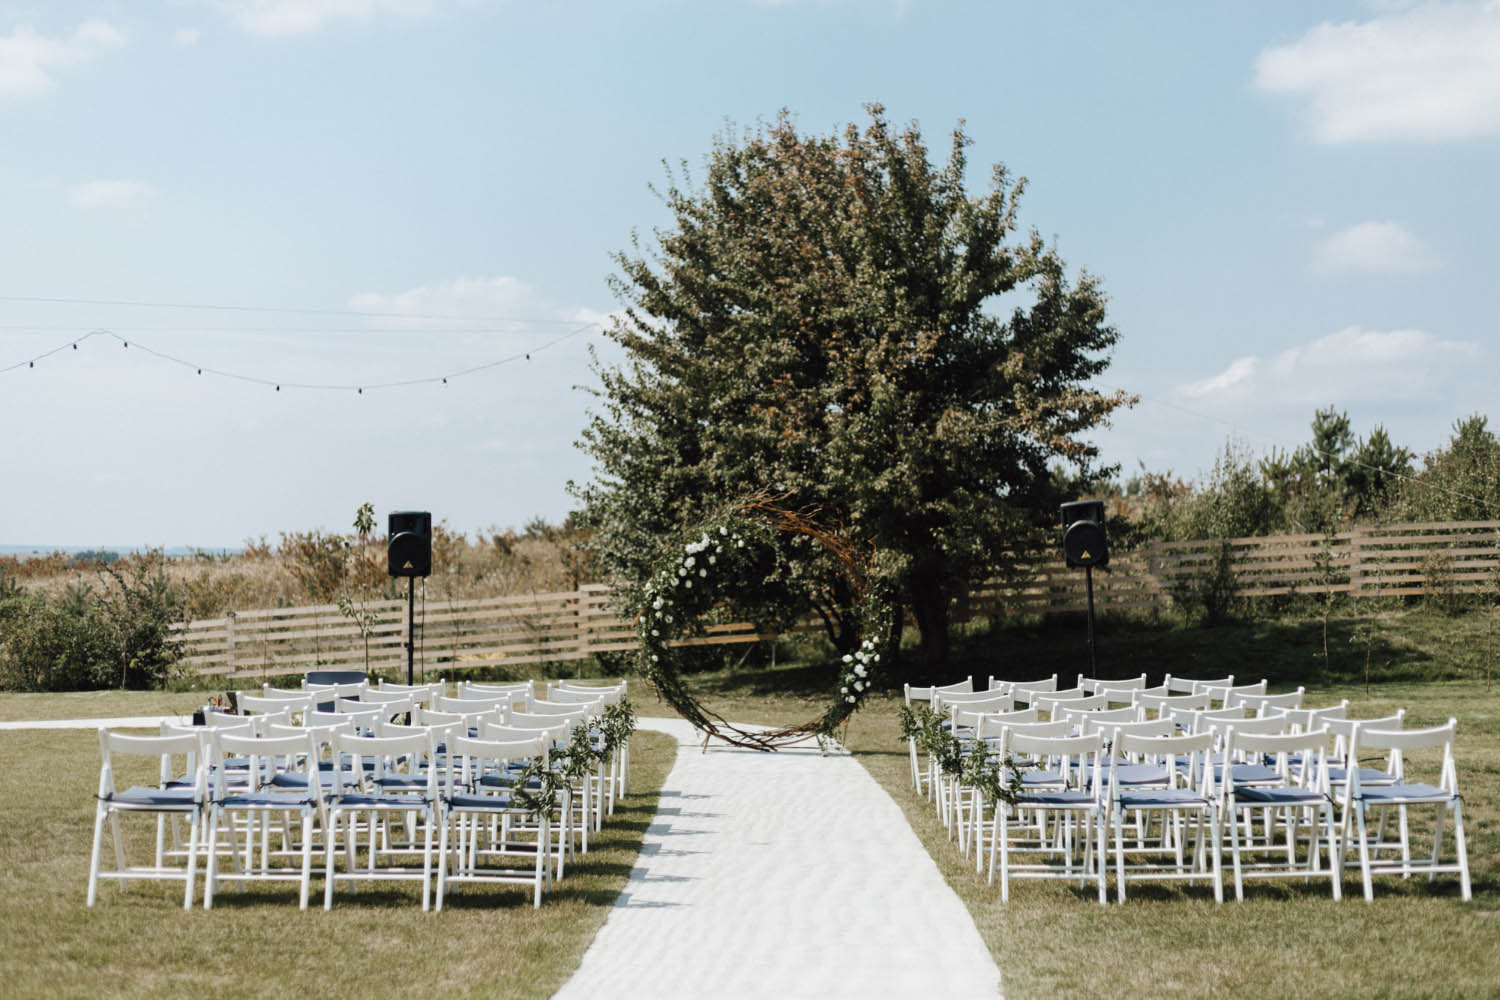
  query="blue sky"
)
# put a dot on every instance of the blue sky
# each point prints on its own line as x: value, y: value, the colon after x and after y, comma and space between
x: 1289, y: 204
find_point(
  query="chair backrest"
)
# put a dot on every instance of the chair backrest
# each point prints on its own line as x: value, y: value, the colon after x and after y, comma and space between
x: 1400, y: 742
x: 1305, y: 748
x: 611, y: 693
x: 352, y: 720
x: 413, y: 748
x: 1220, y: 693
x: 223, y: 720
x: 1259, y: 703
x: 1081, y: 755
x: 1076, y: 715
x: 1054, y: 730
x: 1312, y: 718
x: 502, y: 702
x: 291, y: 749
x: 563, y: 696
x: 579, y: 710
x: 1050, y: 703
x: 1024, y: 691
x: 991, y: 725
x: 187, y: 744
x: 1194, y: 748
x: 981, y: 701
x: 965, y: 686
x: 1160, y: 704
x: 1192, y: 685
x: 527, y: 720
x: 471, y: 758
x: 375, y: 696
x: 290, y: 694
x: 521, y: 690
x: 1096, y: 685
x: 1199, y: 720
x: 1255, y: 725
x: 421, y: 693
x: 254, y: 704
x: 328, y: 692
x: 1142, y: 727
x: 1343, y: 729
x: 555, y: 731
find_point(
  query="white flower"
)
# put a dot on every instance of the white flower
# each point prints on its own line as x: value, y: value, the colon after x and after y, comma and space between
x: 657, y: 604
x: 688, y: 562
x: 667, y: 617
x: 654, y: 658
x: 851, y: 699
x: 860, y: 670
x: 740, y: 543
x: 723, y: 530
x: 875, y: 658
x: 859, y: 685
x: 688, y: 584
x: 848, y: 658
x: 703, y: 572
x: 712, y: 560
x: 843, y: 690
x: 655, y: 632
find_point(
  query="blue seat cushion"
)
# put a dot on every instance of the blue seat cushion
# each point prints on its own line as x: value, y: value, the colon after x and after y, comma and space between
x: 1367, y: 776
x: 267, y: 800
x: 1282, y: 796
x: 361, y: 801
x: 1160, y: 798
x: 295, y: 780
x: 1383, y: 794
x: 154, y: 798
x: 1065, y: 797
x: 1042, y: 778
x: 465, y: 800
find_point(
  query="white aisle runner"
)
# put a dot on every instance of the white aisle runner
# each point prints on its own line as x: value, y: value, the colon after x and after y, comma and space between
x: 781, y: 875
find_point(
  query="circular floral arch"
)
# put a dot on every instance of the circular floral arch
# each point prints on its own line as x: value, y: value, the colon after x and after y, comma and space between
x: 698, y: 575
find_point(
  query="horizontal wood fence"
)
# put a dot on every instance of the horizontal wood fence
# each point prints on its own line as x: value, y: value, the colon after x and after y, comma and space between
x: 1405, y: 560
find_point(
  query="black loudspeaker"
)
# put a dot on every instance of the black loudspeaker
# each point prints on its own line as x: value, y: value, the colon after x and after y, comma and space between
x: 1084, y: 541
x: 410, y: 547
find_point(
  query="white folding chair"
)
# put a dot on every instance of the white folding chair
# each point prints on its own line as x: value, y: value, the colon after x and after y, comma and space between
x: 166, y: 801
x: 1359, y: 797
x: 920, y: 775
x: 490, y: 820
x: 393, y: 754
x: 1188, y: 798
x: 1300, y: 796
x: 1024, y: 691
x: 1068, y: 821
x: 1098, y: 685
x: 1192, y: 685
x: 290, y: 757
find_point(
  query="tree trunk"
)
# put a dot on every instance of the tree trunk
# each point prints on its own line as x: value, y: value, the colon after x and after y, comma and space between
x: 929, y: 606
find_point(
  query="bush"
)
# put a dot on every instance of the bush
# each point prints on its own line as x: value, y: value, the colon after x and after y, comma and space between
x: 1212, y: 592
x: 88, y: 638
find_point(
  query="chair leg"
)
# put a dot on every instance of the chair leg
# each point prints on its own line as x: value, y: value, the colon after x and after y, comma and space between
x: 1119, y: 857
x: 306, y: 887
x: 330, y: 835
x: 1364, y: 852
x: 1213, y: 847
x: 1463, y: 850
x: 195, y: 827
x: 442, y: 874
x: 427, y: 860
x: 211, y: 874
x: 1234, y: 853
x: 1437, y: 840
x: 99, y: 814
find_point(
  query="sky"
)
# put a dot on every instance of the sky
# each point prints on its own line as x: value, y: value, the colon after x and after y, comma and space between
x: 1290, y: 205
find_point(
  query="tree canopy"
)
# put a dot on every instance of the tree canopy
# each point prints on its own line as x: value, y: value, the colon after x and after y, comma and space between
x: 835, y: 320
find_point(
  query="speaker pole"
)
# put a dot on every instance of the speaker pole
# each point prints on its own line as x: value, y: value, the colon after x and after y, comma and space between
x: 411, y: 608
x: 1088, y: 576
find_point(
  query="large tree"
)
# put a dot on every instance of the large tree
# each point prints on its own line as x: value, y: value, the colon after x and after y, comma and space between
x: 837, y: 320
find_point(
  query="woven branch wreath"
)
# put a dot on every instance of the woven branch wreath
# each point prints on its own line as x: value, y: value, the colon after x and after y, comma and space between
x: 692, y: 583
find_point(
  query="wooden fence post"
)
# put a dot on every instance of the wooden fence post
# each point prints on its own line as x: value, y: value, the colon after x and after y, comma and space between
x: 229, y: 644
x: 1356, y: 565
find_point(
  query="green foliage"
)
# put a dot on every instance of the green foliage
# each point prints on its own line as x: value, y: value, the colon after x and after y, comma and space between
x: 1460, y: 482
x: 997, y: 780
x: 116, y: 635
x: 1212, y: 593
x: 822, y: 320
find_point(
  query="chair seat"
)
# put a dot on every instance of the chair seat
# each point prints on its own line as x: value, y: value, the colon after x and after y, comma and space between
x: 1062, y: 797
x: 1395, y: 794
x: 267, y: 800
x: 295, y: 780
x: 1249, y: 774
x: 1042, y: 778
x: 362, y: 801
x: 1161, y: 798
x: 1282, y: 796
x: 465, y: 800
x: 1368, y: 776
x: 155, y: 798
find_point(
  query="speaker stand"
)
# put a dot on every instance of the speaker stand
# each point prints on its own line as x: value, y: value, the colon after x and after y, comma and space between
x: 411, y: 608
x: 1088, y: 576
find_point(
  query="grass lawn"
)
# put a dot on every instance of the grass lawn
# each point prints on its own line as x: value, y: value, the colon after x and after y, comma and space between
x: 487, y: 942
x: 1287, y: 939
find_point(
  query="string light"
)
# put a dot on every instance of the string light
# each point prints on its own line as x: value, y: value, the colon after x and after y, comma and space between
x: 360, y: 389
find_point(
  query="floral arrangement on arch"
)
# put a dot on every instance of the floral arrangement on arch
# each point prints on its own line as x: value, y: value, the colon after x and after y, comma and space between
x: 689, y: 591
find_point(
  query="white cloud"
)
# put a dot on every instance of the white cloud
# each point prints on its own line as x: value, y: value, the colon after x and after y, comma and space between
x: 109, y: 194
x: 1375, y: 248
x: 273, y: 18
x: 186, y: 36
x: 1349, y: 366
x: 29, y: 62
x: 1424, y: 74
x: 503, y: 300
x: 1239, y: 370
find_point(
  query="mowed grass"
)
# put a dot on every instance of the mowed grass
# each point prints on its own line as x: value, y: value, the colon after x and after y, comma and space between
x: 138, y: 942
x: 1417, y: 939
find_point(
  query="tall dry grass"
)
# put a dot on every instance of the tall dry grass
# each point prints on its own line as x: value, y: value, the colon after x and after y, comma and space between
x: 317, y: 568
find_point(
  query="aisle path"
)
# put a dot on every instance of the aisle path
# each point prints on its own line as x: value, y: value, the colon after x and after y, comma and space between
x: 781, y: 875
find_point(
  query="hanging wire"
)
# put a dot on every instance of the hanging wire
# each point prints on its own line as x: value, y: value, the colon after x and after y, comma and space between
x: 282, y: 310
x: 358, y: 387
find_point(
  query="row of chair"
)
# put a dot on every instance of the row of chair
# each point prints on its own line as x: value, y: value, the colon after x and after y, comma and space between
x: 1216, y: 759
x: 394, y: 775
